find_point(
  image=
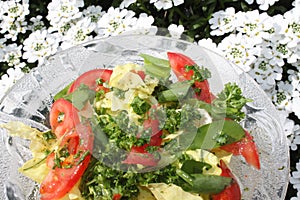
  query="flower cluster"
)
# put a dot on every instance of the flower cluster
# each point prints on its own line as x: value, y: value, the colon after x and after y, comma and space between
x: 262, y: 45
x: 265, y: 46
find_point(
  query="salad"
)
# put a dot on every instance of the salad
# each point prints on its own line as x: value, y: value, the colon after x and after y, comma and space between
x: 132, y: 133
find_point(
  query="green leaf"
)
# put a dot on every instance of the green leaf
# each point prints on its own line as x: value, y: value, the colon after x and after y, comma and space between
x: 216, y: 134
x: 156, y: 67
x: 230, y: 101
x: 140, y: 106
x: 194, y: 167
x: 176, y: 92
x: 207, y: 184
x: 62, y: 93
x: 80, y: 96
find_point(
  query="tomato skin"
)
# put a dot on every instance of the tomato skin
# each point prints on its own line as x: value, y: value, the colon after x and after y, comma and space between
x: 245, y: 147
x: 117, y: 196
x: 205, y: 94
x: 59, y: 181
x: 178, y: 62
x: 142, y: 74
x: 231, y: 192
x: 89, y: 78
x: 70, y: 118
x: 78, y: 138
x: 139, y: 154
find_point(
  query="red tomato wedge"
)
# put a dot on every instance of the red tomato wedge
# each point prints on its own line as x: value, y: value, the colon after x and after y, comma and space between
x: 156, y: 133
x: 232, y: 191
x: 61, y: 180
x: 245, y: 147
x: 139, y: 154
x: 90, y: 78
x: 178, y: 62
x: 63, y: 117
x: 117, y: 196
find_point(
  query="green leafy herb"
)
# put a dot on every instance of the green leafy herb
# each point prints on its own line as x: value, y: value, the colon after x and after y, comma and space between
x: 140, y: 106
x: 200, y: 73
x: 156, y: 67
x: 48, y: 135
x: 194, y: 167
x: 62, y: 93
x: 207, y: 184
x: 230, y: 101
x: 177, y: 91
x: 80, y: 96
x: 208, y: 136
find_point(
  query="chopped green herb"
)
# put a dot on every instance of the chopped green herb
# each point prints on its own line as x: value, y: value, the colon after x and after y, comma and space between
x: 200, y: 73
x: 48, y: 135
x: 230, y: 101
x: 140, y: 106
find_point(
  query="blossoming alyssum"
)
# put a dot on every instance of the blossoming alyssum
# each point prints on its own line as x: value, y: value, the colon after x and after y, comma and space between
x: 39, y: 45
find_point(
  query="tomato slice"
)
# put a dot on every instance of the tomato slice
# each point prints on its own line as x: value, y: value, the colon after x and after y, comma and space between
x: 232, y: 191
x: 139, y: 154
x: 178, y: 62
x: 90, y: 78
x: 61, y: 180
x: 156, y: 132
x: 117, y: 196
x: 142, y: 74
x: 245, y: 147
x: 63, y: 117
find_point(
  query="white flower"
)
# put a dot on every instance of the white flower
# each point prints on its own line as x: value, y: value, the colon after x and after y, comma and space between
x: 282, y: 97
x: 292, y: 35
x: 13, y: 18
x: 296, y: 107
x: 263, y: 4
x: 16, y: 10
x: 115, y: 22
x: 36, y: 23
x: 223, y: 21
x: 265, y: 74
x: 166, y: 4
x: 209, y: 44
x: 2, y: 48
x: 12, y: 29
x: 249, y: 1
x: 8, y: 80
x: 295, y: 180
x: 254, y: 24
x: 239, y: 49
x: 13, y: 54
x: 94, y: 13
x: 78, y: 33
x: 175, y: 31
x: 275, y: 50
x: 126, y: 3
x: 144, y: 25
x: 61, y: 12
x: 39, y: 45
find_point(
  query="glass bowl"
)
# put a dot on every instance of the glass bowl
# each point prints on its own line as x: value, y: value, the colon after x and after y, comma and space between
x: 30, y: 99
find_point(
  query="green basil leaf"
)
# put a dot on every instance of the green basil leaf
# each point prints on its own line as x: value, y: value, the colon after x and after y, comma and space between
x: 194, y: 167
x: 207, y: 184
x: 216, y: 134
x: 80, y: 96
x: 62, y: 93
x: 156, y: 67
